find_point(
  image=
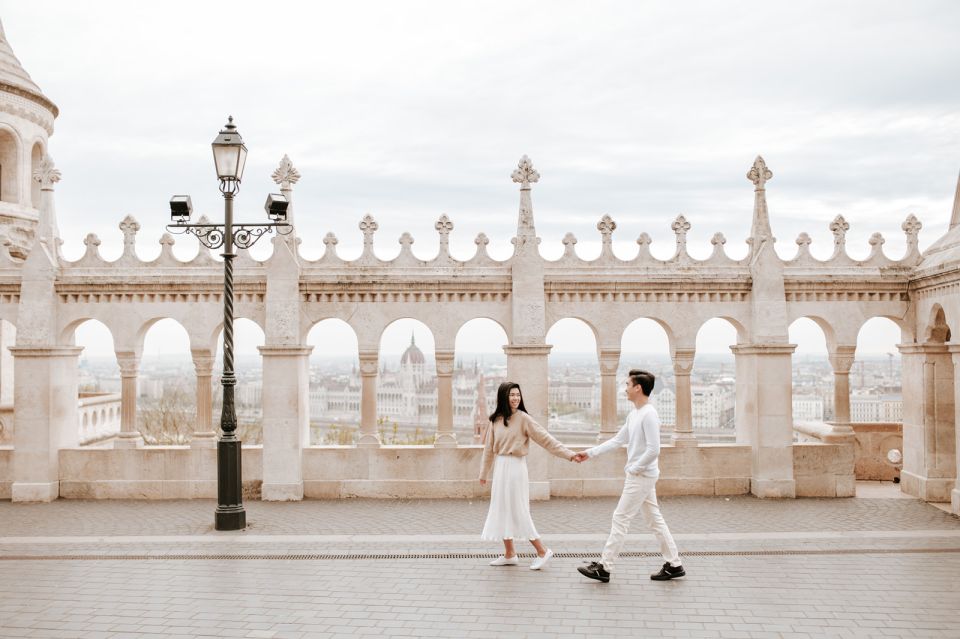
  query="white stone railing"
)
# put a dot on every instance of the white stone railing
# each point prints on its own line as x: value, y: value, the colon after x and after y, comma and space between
x: 98, y: 416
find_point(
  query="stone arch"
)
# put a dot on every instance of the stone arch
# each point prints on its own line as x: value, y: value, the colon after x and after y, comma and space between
x: 68, y: 333
x: 407, y: 397
x: 166, y: 405
x: 216, y: 332
x: 36, y: 156
x: 579, y: 318
x: 714, y: 373
x: 335, y: 383
x: 653, y: 340
x: 475, y: 383
x: 10, y: 150
x: 813, y: 398
x: 573, y: 391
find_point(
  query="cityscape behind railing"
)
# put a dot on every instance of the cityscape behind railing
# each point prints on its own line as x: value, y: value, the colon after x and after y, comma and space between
x: 407, y: 396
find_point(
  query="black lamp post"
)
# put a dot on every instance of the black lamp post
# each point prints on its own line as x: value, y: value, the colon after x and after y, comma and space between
x: 230, y: 156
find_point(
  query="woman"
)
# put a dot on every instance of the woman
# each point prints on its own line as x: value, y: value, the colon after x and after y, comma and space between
x: 505, y: 458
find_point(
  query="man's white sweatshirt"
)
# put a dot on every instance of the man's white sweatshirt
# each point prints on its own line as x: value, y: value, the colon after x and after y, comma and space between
x: 641, y: 435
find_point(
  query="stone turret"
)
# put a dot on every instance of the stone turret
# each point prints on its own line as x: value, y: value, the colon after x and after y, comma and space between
x: 26, y: 123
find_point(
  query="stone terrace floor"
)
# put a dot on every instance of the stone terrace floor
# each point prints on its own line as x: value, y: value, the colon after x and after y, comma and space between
x: 864, y: 567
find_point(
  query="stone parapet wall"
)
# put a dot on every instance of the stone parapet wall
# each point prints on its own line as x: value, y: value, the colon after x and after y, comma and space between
x: 155, y: 472
x: 824, y: 470
x: 873, y: 443
x: 175, y: 472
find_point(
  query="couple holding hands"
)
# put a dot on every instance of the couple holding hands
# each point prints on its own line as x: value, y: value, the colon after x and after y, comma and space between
x: 504, y: 461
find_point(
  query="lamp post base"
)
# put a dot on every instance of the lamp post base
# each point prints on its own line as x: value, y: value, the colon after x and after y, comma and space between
x: 230, y: 514
x: 230, y: 519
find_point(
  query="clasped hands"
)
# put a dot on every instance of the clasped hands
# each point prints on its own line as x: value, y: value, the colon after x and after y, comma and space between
x: 579, y: 457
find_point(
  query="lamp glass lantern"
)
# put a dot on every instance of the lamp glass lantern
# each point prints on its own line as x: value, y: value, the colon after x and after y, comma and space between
x: 229, y: 153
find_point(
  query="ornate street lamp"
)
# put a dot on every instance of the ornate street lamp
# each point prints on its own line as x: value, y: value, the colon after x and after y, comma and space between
x: 229, y: 156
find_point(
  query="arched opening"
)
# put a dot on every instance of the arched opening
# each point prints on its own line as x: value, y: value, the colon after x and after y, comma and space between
x: 407, y: 384
x: 36, y: 155
x: 98, y: 379
x: 480, y: 367
x: 875, y: 391
x: 166, y: 397
x: 334, y: 384
x: 645, y: 345
x: 813, y: 399
x: 713, y: 387
x: 573, y: 394
x: 248, y: 369
x: 9, y: 167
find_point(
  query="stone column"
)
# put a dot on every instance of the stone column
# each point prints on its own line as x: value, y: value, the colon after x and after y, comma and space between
x: 682, y: 367
x: 955, y: 493
x: 369, y: 361
x: 45, y: 393
x: 204, y: 434
x: 445, y: 437
x: 527, y: 366
x: 129, y: 436
x: 929, y: 433
x: 765, y: 415
x: 286, y: 420
x: 841, y: 359
x: 609, y: 362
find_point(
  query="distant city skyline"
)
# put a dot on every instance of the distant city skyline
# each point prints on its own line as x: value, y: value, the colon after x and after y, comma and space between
x: 879, y: 336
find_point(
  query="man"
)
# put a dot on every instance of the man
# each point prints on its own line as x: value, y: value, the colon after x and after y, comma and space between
x: 641, y: 435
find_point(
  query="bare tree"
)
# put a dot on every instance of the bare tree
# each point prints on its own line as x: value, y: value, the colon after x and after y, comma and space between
x: 169, y: 420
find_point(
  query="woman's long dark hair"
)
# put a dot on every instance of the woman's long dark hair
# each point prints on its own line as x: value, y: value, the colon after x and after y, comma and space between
x: 503, y: 402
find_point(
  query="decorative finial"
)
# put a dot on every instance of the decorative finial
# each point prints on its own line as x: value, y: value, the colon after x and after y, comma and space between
x: 759, y: 173
x: 286, y: 174
x: 839, y: 228
x: 525, y: 174
x: 606, y: 226
x: 46, y: 174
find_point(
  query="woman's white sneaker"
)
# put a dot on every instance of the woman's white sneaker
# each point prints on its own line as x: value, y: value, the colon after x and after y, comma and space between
x: 505, y: 561
x: 541, y: 562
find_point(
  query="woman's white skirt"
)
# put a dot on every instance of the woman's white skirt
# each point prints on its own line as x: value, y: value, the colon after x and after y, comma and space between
x: 509, y: 515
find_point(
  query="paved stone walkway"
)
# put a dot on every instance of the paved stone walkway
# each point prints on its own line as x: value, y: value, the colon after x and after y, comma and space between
x: 757, y: 568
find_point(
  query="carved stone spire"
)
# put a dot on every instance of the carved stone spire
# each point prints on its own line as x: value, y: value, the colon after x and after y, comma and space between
x: 286, y: 175
x: 47, y: 175
x: 525, y: 175
x: 760, y: 230
x: 955, y: 217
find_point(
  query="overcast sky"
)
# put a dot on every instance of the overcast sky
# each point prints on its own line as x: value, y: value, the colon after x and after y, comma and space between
x: 410, y: 110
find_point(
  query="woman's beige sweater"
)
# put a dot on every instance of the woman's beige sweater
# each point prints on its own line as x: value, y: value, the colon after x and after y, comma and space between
x: 514, y: 439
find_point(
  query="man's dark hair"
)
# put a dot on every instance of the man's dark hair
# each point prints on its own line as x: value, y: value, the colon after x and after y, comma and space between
x: 645, y: 379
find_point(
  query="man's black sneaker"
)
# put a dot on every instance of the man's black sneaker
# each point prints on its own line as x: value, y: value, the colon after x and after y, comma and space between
x: 669, y: 572
x: 595, y: 570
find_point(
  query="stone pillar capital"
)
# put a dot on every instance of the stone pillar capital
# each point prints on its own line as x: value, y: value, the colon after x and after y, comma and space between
x: 763, y: 349
x: 609, y: 361
x: 683, y: 360
x: 369, y: 363
x: 527, y: 350
x: 129, y: 363
x: 203, y: 362
x: 285, y: 351
x: 444, y: 361
x: 841, y: 359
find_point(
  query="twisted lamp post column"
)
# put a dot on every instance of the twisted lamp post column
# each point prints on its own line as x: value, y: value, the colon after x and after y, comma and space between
x: 230, y: 155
